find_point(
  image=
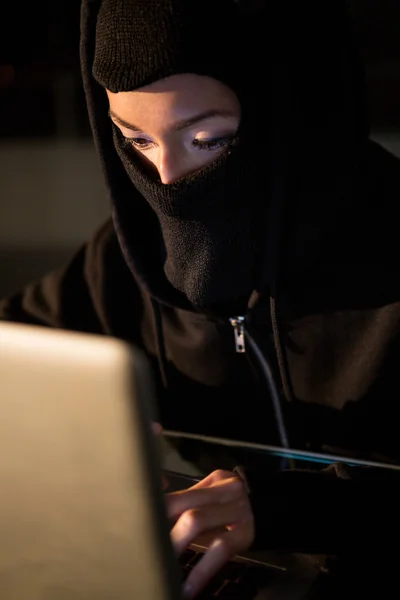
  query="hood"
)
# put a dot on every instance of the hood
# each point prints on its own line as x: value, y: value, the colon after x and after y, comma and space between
x: 316, y: 110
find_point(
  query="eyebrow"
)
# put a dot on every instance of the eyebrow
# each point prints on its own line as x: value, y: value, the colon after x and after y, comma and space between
x: 179, y: 125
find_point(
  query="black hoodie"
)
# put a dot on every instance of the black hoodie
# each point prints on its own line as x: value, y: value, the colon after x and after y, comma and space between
x: 321, y: 338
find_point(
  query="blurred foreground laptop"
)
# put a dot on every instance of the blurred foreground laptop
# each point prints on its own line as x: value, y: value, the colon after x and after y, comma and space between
x: 81, y: 505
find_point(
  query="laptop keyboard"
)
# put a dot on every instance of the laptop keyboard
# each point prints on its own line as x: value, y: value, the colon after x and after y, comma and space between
x: 235, y: 581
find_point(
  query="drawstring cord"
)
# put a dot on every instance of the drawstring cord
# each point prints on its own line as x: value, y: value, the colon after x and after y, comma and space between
x: 275, y: 399
x: 160, y: 344
x: 280, y: 351
x: 276, y: 402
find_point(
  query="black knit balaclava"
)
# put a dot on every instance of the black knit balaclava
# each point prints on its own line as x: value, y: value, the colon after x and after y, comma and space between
x: 211, y: 222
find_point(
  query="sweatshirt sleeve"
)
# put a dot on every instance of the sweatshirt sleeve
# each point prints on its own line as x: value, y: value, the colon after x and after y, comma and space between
x: 66, y: 298
x: 338, y: 510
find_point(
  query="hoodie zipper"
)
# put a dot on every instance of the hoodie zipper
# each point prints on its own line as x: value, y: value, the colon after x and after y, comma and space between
x: 238, y: 329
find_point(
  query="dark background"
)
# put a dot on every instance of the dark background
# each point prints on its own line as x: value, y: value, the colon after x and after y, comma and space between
x: 51, y: 191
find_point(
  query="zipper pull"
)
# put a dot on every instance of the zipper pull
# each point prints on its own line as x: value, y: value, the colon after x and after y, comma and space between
x: 238, y: 328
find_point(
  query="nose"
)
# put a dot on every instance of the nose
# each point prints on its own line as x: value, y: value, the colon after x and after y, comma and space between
x: 170, y: 164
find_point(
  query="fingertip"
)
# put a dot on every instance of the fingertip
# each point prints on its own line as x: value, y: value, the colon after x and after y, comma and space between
x: 188, y: 590
x: 156, y: 428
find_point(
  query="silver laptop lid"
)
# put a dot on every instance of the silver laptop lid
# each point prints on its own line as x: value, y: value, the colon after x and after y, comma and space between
x: 81, y: 508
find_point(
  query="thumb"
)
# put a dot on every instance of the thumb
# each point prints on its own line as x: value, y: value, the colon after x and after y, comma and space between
x: 156, y: 428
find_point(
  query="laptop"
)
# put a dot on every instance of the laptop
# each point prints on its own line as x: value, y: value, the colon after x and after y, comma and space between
x: 81, y: 502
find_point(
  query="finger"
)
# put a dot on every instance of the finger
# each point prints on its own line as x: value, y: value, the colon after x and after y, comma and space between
x: 212, y: 478
x: 222, y: 550
x: 156, y: 428
x: 221, y: 492
x: 192, y: 523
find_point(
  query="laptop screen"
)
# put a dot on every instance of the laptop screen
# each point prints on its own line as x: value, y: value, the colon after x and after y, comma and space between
x: 195, y: 456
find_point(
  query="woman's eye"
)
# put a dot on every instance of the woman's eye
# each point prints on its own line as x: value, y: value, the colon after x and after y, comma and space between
x: 139, y: 143
x: 213, y: 144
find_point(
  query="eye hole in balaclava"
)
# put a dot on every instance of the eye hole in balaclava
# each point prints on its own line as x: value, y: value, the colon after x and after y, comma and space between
x: 212, y: 221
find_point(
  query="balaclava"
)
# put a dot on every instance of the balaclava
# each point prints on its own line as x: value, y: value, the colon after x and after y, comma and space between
x: 211, y: 222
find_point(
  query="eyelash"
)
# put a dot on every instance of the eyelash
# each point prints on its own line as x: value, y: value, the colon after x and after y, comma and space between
x: 212, y: 144
x: 135, y: 143
x: 208, y: 145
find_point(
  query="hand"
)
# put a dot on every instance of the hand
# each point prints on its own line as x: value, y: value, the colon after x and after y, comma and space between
x: 218, y: 505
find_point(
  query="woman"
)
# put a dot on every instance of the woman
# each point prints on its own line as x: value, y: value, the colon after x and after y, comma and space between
x: 251, y: 254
